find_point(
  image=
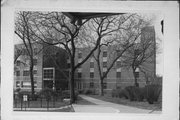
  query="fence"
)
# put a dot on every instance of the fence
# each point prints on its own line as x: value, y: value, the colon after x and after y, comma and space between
x: 24, y: 101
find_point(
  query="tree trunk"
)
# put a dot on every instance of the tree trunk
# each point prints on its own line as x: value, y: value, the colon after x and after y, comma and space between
x: 32, y: 77
x: 72, y: 92
x: 101, y: 87
x: 135, y: 79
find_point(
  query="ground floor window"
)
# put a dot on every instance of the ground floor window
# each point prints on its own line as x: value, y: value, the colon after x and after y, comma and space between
x: 18, y: 84
x: 27, y: 84
x: 91, y: 84
x: 91, y: 74
x: 118, y: 74
x: 104, y: 85
x: 79, y: 74
x: 137, y: 74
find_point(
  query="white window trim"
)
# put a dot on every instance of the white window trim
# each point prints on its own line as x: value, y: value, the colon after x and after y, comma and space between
x: 137, y: 70
x: 91, y: 69
x: 118, y: 70
x: 104, y: 59
x: 104, y: 69
x: 79, y: 70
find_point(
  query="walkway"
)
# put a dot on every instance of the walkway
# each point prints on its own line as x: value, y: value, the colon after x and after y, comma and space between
x: 107, y: 107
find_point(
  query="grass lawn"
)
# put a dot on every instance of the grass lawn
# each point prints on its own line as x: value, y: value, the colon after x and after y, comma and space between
x: 144, y: 105
x: 81, y: 101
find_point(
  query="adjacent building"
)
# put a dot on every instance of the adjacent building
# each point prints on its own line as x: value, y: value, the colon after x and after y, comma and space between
x: 48, y: 68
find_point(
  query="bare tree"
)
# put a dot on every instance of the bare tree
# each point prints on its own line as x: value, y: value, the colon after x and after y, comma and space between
x: 117, y: 34
x: 55, y: 28
x: 142, y: 55
x: 23, y: 31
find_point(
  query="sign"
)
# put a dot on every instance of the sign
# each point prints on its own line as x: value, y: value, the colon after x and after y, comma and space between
x: 25, y: 97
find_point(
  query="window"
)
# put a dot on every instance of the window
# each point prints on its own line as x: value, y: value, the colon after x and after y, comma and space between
x: 17, y: 73
x: 137, y: 74
x: 79, y: 55
x: 137, y: 52
x: 18, y: 63
x: 35, y: 50
x: 104, y: 64
x: 18, y: 83
x: 104, y: 85
x: 118, y: 64
x: 67, y: 73
x: 91, y: 84
x: 79, y: 74
x: 91, y: 64
x: 91, y: 74
x: 104, y: 74
x: 26, y: 73
x: 35, y: 72
x: 27, y: 84
x: 35, y: 61
x: 118, y: 52
x: 104, y: 53
x: 118, y: 74
x: 68, y: 65
x: 48, y: 73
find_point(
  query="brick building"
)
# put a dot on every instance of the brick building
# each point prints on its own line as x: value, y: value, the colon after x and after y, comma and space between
x: 87, y: 76
x: 48, y: 70
x: 52, y: 65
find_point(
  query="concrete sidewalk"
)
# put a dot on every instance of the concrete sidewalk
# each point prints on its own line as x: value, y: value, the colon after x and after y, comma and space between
x: 107, y: 107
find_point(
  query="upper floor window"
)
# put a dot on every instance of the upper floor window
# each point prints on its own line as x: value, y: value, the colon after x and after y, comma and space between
x: 79, y: 55
x: 48, y: 73
x: 17, y: 73
x: 91, y: 74
x: 35, y: 61
x: 26, y: 73
x: 104, y: 53
x: 104, y: 64
x: 118, y: 64
x: 118, y: 52
x: 91, y: 64
x: 69, y: 65
x: 18, y: 63
x: 35, y: 50
x: 104, y: 74
x: 79, y: 74
x: 35, y: 72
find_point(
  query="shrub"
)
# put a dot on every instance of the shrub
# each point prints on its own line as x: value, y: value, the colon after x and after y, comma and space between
x: 134, y: 93
x: 29, y: 94
x: 89, y: 92
x: 46, y: 93
x: 116, y: 92
x: 66, y: 94
x: 124, y: 93
x: 153, y: 92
